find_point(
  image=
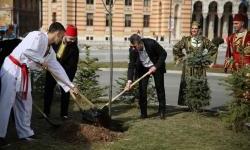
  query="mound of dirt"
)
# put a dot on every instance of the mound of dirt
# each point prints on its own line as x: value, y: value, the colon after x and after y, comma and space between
x: 75, y: 132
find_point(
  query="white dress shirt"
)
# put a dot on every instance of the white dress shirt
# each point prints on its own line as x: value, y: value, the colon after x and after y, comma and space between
x: 146, y: 62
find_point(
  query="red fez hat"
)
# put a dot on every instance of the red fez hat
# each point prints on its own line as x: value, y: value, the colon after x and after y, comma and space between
x: 239, y: 17
x: 71, y: 31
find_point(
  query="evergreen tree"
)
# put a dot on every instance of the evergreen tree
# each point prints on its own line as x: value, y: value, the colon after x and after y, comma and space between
x: 239, y: 108
x: 86, y: 77
x: 37, y: 83
x: 197, y: 92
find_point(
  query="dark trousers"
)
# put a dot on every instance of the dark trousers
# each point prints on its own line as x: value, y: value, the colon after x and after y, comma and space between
x: 160, y: 90
x: 50, y: 84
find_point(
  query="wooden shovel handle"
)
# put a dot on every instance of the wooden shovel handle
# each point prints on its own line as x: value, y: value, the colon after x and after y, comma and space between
x: 82, y: 97
x: 136, y: 81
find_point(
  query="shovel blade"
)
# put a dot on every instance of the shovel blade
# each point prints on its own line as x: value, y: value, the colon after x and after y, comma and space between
x: 97, y: 116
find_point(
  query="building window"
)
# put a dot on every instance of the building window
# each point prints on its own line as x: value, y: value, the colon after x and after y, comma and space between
x: 128, y: 2
x: 34, y: 5
x: 162, y: 38
x: 28, y: 6
x: 31, y: 5
x: 146, y: 3
x: 127, y: 20
x: 25, y: 4
x: 107, y: 2
x: 54, y: 17
x: 107, y: 20
x: 90, y: 2
x: 89, y: 19
x: 125, y: 39
x: 106, y: 38
x: 53, y: 1
x: 89, y: 38
x: 146, y: 20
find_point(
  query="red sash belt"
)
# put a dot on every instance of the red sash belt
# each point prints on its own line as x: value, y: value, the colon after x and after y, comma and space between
x: 246, y: 59
x: 25, y: 76
x: 240, y: 61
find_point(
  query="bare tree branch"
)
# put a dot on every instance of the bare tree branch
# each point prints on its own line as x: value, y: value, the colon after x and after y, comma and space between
x: 105, y: 6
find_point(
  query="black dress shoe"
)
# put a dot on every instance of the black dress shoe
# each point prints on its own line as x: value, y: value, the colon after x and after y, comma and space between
x: 65, y: 118
x: 3, y: 143
x: 29, y: 139
x: 162, y: 115
x: 143, y: 116
x: 42, y: 116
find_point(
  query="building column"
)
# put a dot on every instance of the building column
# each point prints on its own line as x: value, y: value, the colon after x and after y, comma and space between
x: 49, y: 13
x: 64, y: 12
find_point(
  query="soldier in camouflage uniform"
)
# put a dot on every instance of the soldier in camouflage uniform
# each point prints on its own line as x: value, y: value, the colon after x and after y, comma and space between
x: 191, y: 44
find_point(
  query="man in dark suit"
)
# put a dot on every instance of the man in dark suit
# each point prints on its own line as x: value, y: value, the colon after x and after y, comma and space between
x: 67, y: 54
x: 146, y: 55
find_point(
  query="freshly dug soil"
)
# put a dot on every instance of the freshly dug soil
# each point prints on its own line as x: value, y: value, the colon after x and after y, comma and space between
x: 75, y: 132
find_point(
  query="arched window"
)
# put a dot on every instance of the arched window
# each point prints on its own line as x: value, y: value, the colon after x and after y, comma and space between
x: 212, y: 21
x: 227, y: 20
x: 197, y: 13
x: 243, y: 10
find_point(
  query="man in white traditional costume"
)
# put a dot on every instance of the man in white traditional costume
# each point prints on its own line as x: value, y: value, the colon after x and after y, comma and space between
x: 34, y: 52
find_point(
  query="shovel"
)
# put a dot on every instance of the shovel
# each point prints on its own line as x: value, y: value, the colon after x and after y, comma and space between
x: 103, y: 113
x: 92, y: 115
x: 78, y: 98
x: 45, y: 116
x: 136, y: 81
x: 99, y: 116
x: 53, y: 124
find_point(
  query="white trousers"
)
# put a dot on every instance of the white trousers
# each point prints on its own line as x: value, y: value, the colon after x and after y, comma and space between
x: 22, y: 108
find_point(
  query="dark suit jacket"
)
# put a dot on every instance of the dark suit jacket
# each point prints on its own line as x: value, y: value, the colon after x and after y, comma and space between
x: 155, y: 52
x: 69, y: 59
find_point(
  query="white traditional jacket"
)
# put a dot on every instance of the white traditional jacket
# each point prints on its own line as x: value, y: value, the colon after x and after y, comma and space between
x: 31, y: 51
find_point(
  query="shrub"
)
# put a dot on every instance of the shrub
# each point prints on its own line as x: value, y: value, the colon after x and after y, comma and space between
x: 239, y: 108
x: 197, y: 91
x: 133, y: 94
x: 37, y: 83
x: 86, y: 77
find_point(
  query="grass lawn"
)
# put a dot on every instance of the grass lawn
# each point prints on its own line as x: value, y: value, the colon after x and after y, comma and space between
x: 169, y: 66
x: 181, y: 130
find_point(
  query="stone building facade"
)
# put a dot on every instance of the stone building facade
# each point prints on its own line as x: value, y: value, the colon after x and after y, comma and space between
x: 25, y: 14
x: 150, y: 18
x: 164, y: 20
x: 216, y: 17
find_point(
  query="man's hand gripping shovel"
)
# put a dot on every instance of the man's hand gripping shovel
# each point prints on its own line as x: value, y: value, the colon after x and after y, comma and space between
x: 132, y: 84
x: 100, y: 116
